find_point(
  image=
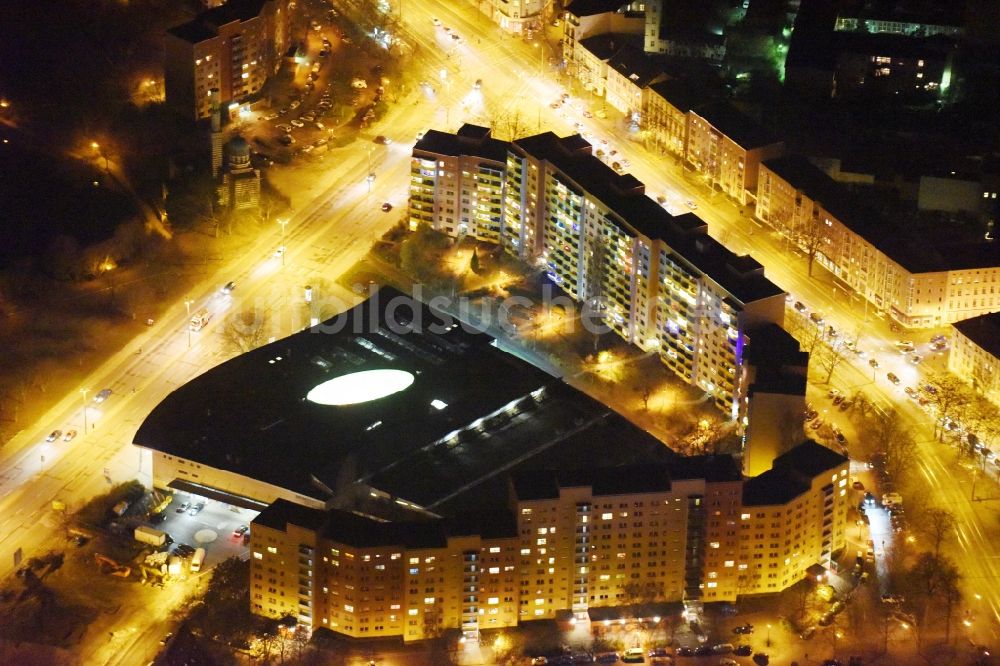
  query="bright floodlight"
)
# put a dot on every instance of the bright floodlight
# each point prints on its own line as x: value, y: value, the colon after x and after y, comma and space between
x: 360, y: 387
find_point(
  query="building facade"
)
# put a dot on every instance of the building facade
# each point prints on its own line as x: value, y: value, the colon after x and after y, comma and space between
x: 233, y: 48
x: 659, y: 281
x: 919, y: 290
x: 727, y: 148
x: 975, y: 354
x: 691, y: 530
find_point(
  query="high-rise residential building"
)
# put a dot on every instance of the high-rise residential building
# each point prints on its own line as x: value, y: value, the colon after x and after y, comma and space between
x: 974, y: 353
x: 918, y: 284
x: 691, y: 530
x: 233, y: 48
x: 660, y: 280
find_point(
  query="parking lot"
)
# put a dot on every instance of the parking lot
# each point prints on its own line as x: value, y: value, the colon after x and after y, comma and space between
x: 211, y: 528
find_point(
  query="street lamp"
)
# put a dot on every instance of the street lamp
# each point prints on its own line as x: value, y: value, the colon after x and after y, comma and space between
x: 283, y: 224
x: 187, y: 304
x: 84, y: 393
x: 97, y: 148
x: 837, y: 635
x: 767, y: 642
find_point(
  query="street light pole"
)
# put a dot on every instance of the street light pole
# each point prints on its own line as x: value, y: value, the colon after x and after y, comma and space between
x: 84, y: 393
x: 768, y: 641
x: 187, y: 304
x: 283, y: 223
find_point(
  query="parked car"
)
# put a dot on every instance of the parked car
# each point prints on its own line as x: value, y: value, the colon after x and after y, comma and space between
x: 196, y: 509
x: 893, y: 378
x: 240, y: 531
x: 102, y: 395
x: 54, y: 435
x: 873, y: 363
x: 383, y: 140
x: 743, y: 629
x: 183, y: 507
x: 70, y: 434
x: 386, y: 207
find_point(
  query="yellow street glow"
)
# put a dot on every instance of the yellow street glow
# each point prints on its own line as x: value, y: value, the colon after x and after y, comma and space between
x: 360, y: 387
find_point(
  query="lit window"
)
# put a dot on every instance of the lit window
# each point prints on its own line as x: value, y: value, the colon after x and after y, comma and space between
x: 543, y: 530
x: 541, y: 542
x: 712, y: 584
x: 258, y: 556
x: 412, y: 611
x: 728, y: 563
x: 494, y: 570
x: 414, y: 560
x: 539, y: 602
x: 493, y: 601
x: 438, y: 404
x: 394, y: 607
x: 428, y: 600
x: 745, y: 516
x: 495, y: 549
x: 349, y: 608
x: 714, y: 544
x: 272, y: 550
x: 607, y: 516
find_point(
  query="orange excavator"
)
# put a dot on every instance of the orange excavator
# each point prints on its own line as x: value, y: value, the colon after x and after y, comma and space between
x: 106, y: 565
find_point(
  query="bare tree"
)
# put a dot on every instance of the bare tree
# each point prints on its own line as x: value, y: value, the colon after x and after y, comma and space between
x: 810, y: 237
x: 938, y: 525
x: 827, y: 355
x: 894, y: 440
x: 949, y: 394
x: 245, y: 331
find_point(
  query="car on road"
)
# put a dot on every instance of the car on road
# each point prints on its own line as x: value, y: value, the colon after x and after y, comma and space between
x: 816, y: 318
x: 196, y: 509
x: 743, y: 629
x: 228, y: 287
x: 891, y: 376
x: 386, y: 207
x: 240, y: 531
x: 102, y: 395
x: 382, y: 140
x: 690, y: 203
x: 915, y: 359
x: 478, y: 84
x: 70, y: 434
x: 799, y: 307
x: 183, y: 507
x: 54, y: 435
x: 456, y: 38
x: 873, y: 362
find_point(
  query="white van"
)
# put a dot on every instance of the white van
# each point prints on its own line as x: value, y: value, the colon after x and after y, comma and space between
x: 197, y: 560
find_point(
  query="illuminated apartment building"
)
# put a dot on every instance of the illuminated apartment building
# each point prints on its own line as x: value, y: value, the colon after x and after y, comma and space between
x: 456, y: 183
x: 727, y: 147
x: 975, y: 354
x: 690, y: 530
x: 918, y: 284
x: 233, y: 48
x: 794, y: 516
x: 367, y: 578
x: 659, y: 280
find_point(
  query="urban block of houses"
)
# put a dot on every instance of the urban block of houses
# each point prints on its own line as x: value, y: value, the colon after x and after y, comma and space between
x: 920, y: 284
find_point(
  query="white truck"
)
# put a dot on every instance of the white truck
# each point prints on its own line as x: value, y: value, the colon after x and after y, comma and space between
x: 199, y: 319
x: 148, y: 535
x: 197, y: 560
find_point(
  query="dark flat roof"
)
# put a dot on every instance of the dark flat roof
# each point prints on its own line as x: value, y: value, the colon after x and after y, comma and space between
x: 739, y: 127
x: 633, y: 63
x: 594, y: 7
x: 250, y: 415
x: 983, y: 331
x: 363, y: 532
x: 624, y: 479
x: 206, y: 24
x: 605, y: 46
x: 193, y: 32
x: 681, y: 94
x: 462, y: 143
x: 809, y: 459
x: 775, y: 486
